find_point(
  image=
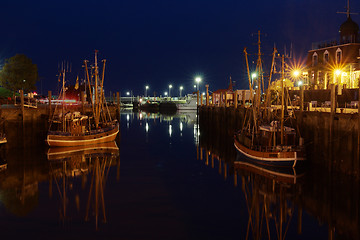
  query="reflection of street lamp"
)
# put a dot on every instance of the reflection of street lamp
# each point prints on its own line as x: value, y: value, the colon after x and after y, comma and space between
x: 146, y: 88
x: 181, y: 88
x: 198, y: 80
x: 170, y: 86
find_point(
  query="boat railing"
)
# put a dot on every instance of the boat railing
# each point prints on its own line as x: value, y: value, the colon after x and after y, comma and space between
x: 277, y: 148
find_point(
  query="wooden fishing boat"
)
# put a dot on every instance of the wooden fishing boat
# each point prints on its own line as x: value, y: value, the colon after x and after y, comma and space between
x: 268, y: 144
x: 259, y: 147
x: 71, y: 128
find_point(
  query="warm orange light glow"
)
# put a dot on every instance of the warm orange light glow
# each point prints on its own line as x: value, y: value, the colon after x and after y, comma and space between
x: 296, y: 73
x: 337, y: 72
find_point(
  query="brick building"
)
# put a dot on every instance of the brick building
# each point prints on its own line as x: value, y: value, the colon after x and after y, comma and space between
x: 336, y: 62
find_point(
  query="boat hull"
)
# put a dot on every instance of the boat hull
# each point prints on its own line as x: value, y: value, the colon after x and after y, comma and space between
x: 57, y: 140
x: 270, y: 158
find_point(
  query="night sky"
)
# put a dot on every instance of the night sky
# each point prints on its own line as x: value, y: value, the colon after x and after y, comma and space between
x: 164, y: 42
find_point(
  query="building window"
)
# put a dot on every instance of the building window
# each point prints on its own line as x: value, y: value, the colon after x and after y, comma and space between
x: 326, y: 56
x: 338, y: 55
x: 315, y: 59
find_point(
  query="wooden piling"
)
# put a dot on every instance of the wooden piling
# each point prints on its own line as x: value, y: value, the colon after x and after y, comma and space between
x: 22, y: 103
x: 207, y: 94
x: 235, y: 99
x: 197, y: 96
x: 243, y: 97
x: 333, y: 99
x: 226, y: 100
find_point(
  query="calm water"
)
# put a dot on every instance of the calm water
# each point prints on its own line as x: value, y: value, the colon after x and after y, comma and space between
x: 170, y: 178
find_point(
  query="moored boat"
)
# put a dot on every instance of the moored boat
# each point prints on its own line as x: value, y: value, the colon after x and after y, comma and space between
x: 70, y: 128
x: 190, y: 103
x: 260, y: 148
x: 271, y: 144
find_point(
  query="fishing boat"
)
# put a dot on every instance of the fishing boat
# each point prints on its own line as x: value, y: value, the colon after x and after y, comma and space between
x: 270, y: 143
x: 70, y: 128
x: 189, y: 105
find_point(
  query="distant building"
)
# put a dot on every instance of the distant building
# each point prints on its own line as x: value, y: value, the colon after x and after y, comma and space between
x: 338, y: 61
x: 224, y: 97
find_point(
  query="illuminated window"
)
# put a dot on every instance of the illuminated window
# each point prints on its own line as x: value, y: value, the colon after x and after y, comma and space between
x: 315, y: 59
x: 338, y: 55
x: 326, y: 56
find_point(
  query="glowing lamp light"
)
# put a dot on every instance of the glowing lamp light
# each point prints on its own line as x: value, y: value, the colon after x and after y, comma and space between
x: 127, y: 93
x: 337, y: 72
x: 198, y: 79
x: 296, y: 73
x: 254, y: 75
x: 300, y: 83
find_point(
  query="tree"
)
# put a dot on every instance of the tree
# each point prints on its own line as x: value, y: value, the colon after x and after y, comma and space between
x: 19, y: 73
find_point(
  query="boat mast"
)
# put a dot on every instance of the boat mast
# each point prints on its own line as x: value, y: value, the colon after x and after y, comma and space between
x: 97, y: 105
x: 63, y: 101
x: 259, y: 71
x: 251, y: 89
x: 282, y: 97
x: 270, y: 76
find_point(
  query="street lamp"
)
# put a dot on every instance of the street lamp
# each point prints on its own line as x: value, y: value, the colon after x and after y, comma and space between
x: 181, y: 88
x: 253, y: 76
x: 296, y: 74
x: 146, y: 88
x: 170, y: 86
x: 165, y: 93
x: 198, y: 80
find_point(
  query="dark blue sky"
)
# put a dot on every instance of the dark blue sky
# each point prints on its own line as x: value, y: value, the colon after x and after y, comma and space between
x: 162, y: 42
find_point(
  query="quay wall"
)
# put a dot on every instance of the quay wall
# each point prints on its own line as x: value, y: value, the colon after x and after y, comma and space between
x: 332, y: 140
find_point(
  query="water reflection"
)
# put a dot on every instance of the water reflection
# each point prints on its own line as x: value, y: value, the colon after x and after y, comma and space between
x: 270, y: 195
x: 174, y: 121
x: 91, y: 164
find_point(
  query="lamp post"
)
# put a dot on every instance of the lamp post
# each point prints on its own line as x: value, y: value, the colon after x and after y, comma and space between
x: 253, y: 76
x: 146, y: 88
x: 296, y: 74
x: 181, y: 88
x: 170, y: 86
